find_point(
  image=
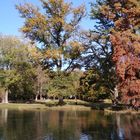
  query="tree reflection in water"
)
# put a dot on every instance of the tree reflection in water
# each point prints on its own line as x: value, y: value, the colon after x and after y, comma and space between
x: 67, y: 125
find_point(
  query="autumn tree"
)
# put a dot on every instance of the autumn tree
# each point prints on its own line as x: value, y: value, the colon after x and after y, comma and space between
x: 41, y: 75
x: 41, y: 80
x: 124, y: 15
x: 56, y: 27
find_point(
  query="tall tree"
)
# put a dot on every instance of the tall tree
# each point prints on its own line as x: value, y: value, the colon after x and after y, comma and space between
x: 125, y: 38
x: 56, y: 29
x: 41, y: 74
x: 98, y: 55
x: 16, y: 71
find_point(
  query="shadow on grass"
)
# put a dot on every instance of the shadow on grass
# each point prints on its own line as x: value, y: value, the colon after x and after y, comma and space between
x: 55, y: 103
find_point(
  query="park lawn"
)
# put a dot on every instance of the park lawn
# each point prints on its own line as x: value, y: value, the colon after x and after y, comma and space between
x: 48, y: 104
x: 22, y: 106
x: 53, y: 104
x: 69, y: 106
x: 42, y: 107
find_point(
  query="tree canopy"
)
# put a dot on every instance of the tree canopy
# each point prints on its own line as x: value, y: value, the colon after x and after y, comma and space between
x: 56, y: 27
x: 125, y: 38
x: 59, y: 59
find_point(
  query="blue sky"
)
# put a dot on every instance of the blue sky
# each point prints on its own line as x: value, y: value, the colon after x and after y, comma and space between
x: 10, y: 21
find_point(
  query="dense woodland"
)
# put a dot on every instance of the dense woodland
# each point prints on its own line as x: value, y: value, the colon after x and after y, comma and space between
x: 57, y: 59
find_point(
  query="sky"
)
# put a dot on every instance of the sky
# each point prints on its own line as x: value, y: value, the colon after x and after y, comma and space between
x: 10, y: 20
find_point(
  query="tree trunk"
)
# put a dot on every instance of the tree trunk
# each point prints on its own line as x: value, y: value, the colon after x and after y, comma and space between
x: 41, y: 98
x: 5, y: 97
x: 61, y: 101
x: 75, y: 99
x: 36, y: 97
x: 53, y: 97
x: 115, y: 94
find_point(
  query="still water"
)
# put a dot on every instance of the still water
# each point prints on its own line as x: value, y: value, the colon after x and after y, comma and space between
x: 67, y: 125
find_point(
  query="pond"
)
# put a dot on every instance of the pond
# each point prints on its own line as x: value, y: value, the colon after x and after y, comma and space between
x: 67, y: 125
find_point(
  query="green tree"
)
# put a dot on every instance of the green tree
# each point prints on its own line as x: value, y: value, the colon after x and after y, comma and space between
x: 98, y: 56
x: 41, y: 81
x: 64, y: 85
x: 14, y: 67
x: 22, y: 82
x: 7, y: 61
x: 41, y: 74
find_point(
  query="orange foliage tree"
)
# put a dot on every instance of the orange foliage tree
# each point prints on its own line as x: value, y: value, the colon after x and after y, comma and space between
x: 125, y: 38
x: 56, y: 28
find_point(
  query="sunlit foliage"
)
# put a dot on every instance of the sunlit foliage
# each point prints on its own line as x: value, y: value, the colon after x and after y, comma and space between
x: 125, y: 38
x: 56, y: 27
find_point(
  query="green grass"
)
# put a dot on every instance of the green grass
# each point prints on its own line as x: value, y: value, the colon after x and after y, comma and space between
x: 69, y: 105
x: 22, y: 106
x: 47, y: 104
x: 66, y: 102
x: 43, y: 107
x: 127, y: 111
x: 75, y: 103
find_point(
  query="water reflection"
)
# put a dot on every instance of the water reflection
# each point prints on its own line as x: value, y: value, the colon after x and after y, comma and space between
x: 67, y: 125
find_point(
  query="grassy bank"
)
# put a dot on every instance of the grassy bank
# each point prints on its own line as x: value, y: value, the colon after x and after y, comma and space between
x: 127, y: 111
x: 48, y: 104
x: 43, y: 107
x: 53, y: 104
x: 69, y: 105
x: 22, y: 106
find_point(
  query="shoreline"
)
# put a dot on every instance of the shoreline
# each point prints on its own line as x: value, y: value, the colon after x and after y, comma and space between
x: 67, y: 107
x: 37, y: 106
x: 128, y: 111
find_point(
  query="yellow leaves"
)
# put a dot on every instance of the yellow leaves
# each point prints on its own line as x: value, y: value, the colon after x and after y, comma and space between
x: 136, y: 46
x: 35, y: 54
x: 118, y: 5
x: 107, y: 12
x: 104, y: 9
x: 79, y: 10
x: 76, y: 46
x: 56, y: 20
x: 27, y: 10
x: 54, y: 28
x: 53, y: 1
x: 53, y: 54
x: 76, y: 10
x: 133, y: 3
x: 66, y: 8
x: 68, y: 27
x: 37, y: 23
x: 57, y: 8
x: 76, y: 49
x: 118, y: 23
x: 25, y: 29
